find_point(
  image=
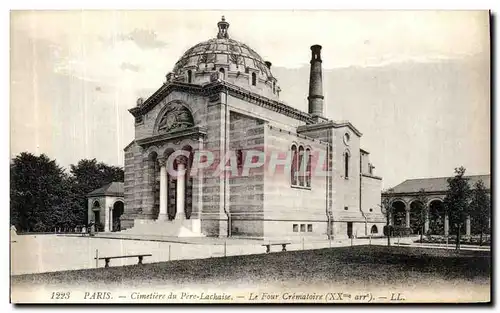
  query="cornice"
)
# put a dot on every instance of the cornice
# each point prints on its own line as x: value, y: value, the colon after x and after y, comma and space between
x: 371, y: 176
x: 215, y: 88
x: 329, y: 124
x: 413, y: 194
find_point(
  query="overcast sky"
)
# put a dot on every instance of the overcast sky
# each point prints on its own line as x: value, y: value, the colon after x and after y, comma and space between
x: 416, y: 84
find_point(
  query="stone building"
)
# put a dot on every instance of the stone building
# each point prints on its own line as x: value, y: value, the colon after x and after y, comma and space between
x: 106, y: 206
x: 406, y: 209
x: 222, y: 97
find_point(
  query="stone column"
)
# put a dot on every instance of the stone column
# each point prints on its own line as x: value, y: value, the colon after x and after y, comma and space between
x: 162, y: 215
x: 407, y: 218
x: 110, y: 221
x: 467, y: 226
x: 181, y: 191
x: 426, y: 224
x: 106, y: 219
x: 446, y: 224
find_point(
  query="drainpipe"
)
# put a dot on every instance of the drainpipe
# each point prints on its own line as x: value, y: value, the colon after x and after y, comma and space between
x: 329, y: 217
x: 360, y: 190
x: 366, y: 221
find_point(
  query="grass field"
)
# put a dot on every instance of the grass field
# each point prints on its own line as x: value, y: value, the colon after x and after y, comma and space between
x: 362, y: 265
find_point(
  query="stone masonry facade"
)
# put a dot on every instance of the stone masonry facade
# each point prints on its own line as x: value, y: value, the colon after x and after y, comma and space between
x: 231, y: 105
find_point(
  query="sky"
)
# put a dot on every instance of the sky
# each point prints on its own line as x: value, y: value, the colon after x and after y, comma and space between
x: 415, y: 83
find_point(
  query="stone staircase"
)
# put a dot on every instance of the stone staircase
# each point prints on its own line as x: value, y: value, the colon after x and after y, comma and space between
x: 175, y: 228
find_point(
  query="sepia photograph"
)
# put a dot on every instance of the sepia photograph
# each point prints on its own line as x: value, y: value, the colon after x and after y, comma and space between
x: 250, y: 156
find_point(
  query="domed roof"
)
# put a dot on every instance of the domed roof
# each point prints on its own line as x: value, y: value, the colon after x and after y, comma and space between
x: 222, y: 50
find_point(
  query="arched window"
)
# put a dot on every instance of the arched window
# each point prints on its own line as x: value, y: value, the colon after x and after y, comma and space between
x: 274, y: 87
x: 374, y: 230
x: 254, y: 79
x: 223, y: 73
x: 190, y: 76
x: 97, y: 204
x: 239, y: 158
x: 293, y: 173
x: 308, y: 167
x: 346, y: 165
x: 301, y: 166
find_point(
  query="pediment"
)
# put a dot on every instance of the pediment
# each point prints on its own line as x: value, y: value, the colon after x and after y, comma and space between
x: 174, y: 116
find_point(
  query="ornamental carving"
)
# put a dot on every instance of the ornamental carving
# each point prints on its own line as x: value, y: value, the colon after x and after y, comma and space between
x: 176, y: 117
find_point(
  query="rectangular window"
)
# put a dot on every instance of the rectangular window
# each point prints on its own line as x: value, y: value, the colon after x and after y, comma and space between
x: 302, y: 227
x: 295, y: 228
x: 309, y: 228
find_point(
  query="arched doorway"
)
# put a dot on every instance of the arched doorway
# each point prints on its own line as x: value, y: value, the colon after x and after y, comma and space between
x: 417, y: 217
x: 117, y: 213
x: 374, y: 230
x: 398, y: 213
x: 436, y: 217
x: 153, y: 172
x: 96, y: 218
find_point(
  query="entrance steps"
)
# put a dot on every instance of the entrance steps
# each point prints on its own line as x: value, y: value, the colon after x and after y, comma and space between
x: 174, y: 228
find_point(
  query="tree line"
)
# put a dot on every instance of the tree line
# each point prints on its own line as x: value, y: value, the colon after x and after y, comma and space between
x: 44, y: 196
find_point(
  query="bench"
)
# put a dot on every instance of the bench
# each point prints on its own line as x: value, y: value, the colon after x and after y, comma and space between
x: 108, y: 258
x: 282, y: 244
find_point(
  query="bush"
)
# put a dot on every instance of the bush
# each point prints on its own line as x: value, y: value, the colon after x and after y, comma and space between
x: 397, y: 231
x: 440, y: 239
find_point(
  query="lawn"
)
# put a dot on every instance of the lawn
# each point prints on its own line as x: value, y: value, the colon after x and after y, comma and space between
x: 360, y: 265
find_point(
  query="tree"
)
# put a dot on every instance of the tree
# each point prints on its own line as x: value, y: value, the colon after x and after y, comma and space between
x: 480, y: 208
x: 421, y: 200
x: 386, y: 209
x: 456, y: 201
x: 37, y: 187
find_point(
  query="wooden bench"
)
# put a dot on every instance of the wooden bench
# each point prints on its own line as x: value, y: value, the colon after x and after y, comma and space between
x: 282, y: 244
x: 108, y: 258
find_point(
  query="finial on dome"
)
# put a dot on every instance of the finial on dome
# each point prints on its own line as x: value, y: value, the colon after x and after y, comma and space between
x: 223, y: 26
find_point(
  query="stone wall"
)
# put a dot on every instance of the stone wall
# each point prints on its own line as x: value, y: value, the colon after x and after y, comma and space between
x: 214, y: 219
x: 246, y: 193
x: 371, y: 193
x: 285, y: 205
x: 365, y: 160
x: 134, y: 186
x: 346, y: 200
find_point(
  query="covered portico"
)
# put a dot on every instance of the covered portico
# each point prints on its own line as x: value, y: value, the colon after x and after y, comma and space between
x: 106, y: 206
x: 406, y: 202
x: 172, y: 188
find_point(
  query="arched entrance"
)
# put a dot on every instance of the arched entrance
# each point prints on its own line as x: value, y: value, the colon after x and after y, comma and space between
x: 436, y: 217
x: 181, y: 196
x: 417, y: 217
x: 374, y: 230
x: 96, y: 218
x: 117, y: 213
x: 154, y: 181
x: 398, y: 213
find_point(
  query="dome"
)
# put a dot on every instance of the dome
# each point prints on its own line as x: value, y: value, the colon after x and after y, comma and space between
x: 233, y: 61
x: 222, y: 51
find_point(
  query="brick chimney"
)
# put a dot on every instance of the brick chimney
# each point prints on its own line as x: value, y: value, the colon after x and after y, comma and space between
x: 315, y: 97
